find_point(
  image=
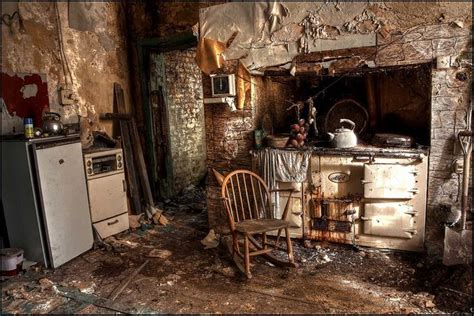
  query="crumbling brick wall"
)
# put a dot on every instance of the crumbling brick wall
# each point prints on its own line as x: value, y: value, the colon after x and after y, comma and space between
x: 186, y: 118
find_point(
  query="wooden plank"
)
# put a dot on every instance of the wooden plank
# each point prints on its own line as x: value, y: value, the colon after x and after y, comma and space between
x: 142, y: 172
x: 363, y: 52
x: 94, y: 300
x: 123, y: 285
x: 371, y: 101
x: 133, y: 188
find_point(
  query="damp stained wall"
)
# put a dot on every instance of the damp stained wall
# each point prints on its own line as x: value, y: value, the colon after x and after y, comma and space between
x: 97, y: 55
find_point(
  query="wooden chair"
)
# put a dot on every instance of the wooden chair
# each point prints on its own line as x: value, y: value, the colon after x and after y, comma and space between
x: 248, y: 204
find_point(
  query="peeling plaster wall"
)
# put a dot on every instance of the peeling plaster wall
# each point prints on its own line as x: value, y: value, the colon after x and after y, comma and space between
x: 97, y: 58
x: 405, y: 33
x: 273, y: 33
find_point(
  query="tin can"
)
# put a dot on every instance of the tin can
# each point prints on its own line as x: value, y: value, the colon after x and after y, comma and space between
x: 29, y: 130
x: 11, y: 262
x: 258, y: 136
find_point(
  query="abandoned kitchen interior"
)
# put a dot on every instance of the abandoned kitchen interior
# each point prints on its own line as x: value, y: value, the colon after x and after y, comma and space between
x: 236, y: 157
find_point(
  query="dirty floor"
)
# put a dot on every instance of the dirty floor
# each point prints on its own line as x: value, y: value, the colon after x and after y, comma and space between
x: 182, y: 277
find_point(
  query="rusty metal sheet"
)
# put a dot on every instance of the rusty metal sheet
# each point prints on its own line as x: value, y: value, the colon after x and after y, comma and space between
x: 208, y: 55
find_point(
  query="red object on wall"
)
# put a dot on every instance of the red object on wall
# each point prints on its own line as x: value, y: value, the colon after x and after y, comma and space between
x: 13, y: 93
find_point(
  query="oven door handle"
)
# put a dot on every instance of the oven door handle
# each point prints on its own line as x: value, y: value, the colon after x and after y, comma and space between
x: 362, y: 158
x: 113, y: 222
x: 124, y: 185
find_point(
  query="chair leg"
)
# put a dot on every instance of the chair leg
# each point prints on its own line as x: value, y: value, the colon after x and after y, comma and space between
x: 289, y: 246
x: 278, y: 237
x: 264, y: 240
x: 247, y: 256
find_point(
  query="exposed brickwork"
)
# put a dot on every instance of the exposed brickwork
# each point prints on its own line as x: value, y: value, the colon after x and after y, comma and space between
x: 186, y: 118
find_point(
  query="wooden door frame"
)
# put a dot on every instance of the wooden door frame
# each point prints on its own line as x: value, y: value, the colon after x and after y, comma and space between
x: 178, y: 41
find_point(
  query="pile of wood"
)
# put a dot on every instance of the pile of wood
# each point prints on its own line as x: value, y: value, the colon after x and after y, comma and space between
x: 138, y: 185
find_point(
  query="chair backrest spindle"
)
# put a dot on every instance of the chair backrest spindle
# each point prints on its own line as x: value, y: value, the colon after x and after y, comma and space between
x: 247, y: 197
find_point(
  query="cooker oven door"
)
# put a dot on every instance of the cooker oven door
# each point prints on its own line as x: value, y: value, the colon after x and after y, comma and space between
x: 390, y: 219
x: 393, y: 204
x: 389, y: 181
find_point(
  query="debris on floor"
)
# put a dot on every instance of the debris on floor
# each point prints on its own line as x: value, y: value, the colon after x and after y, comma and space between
x: 181, y: 278
x: 211, y: 240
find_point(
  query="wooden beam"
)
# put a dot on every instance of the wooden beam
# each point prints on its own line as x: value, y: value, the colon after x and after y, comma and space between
x: 371, y: 101
x: 363, y: 52
x: 133, y: 189
x: 143, y: 175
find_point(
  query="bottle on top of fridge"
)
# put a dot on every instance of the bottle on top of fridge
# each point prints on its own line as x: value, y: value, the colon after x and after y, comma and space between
x: 29, y: 130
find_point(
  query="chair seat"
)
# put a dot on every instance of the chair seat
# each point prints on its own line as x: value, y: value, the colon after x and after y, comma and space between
x: 255, y: 226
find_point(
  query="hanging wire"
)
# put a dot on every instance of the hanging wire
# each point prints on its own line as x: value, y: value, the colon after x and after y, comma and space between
x: 64, y: 61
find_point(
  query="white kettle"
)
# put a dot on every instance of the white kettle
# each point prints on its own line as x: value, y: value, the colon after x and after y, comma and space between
x: 343, y: 137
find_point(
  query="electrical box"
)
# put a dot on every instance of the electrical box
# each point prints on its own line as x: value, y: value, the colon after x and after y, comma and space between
x: 66, y: 96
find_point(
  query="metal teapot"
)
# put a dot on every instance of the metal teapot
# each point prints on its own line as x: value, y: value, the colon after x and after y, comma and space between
x: 52, y: 123
x: 343, y: 137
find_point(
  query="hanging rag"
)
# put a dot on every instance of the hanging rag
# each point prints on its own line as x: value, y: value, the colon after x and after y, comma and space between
x: 275, y: 165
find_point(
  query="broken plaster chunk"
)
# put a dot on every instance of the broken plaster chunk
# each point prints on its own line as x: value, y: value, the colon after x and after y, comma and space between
x: 134, y: 221
x: 458, y: 23
x: 211, y: 240
x: 84, y: 286
x: 159, y: 253
x: 45, y: 283
x: 293, y: 70
x: 231, y: 103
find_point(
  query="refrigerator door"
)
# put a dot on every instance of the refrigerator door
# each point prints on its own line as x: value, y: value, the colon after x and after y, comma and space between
x: 65, y: 204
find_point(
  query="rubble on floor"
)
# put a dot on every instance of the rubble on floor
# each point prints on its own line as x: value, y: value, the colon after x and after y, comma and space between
x: 184, y: 277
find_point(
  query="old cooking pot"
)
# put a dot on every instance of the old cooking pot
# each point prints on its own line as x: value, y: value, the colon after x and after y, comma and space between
x: 52, y: 123
x: 343, y: 137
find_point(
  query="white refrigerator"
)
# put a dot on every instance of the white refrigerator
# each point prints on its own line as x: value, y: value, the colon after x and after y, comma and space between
x: 44, y: 198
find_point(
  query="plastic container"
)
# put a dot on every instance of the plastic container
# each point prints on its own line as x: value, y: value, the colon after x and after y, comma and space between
x: 11, y: 262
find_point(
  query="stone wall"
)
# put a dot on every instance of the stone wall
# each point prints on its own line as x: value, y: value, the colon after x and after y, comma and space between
x: 97, y: 57
x: 186, y: 118
x: 449, y: 104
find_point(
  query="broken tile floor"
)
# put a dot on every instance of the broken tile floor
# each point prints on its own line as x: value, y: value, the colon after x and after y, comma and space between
x: 183, y: 277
